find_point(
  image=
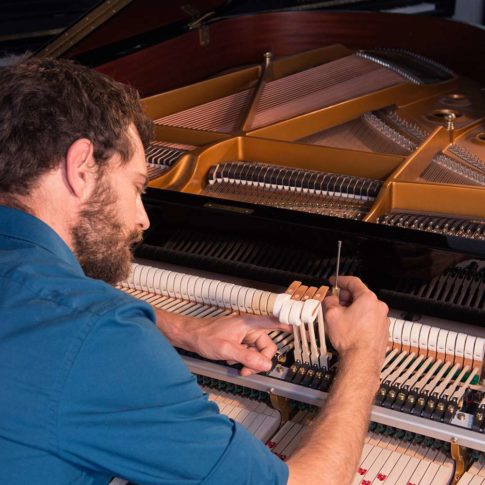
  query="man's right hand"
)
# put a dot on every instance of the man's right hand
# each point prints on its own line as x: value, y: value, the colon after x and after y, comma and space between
x: 358, y: 327
x: 357, y: 322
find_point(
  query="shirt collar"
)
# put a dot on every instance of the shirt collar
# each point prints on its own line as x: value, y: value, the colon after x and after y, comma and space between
x: 17, y: 224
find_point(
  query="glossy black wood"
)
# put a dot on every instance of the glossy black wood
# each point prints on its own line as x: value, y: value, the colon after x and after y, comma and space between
x: 278, y: 246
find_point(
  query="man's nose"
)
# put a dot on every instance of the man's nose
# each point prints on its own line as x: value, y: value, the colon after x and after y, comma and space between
x: 142, y: 217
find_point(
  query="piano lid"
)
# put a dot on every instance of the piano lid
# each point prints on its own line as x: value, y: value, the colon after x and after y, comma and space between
x: 120, y: 23
x: 185, y: 52
x: 113, y: 29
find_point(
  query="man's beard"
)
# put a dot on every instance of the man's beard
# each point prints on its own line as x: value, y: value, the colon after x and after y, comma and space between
x: 99, y: 239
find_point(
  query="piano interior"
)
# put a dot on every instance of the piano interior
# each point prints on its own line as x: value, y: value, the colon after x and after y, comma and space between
x: 347, y: 129
x: 382, y: 137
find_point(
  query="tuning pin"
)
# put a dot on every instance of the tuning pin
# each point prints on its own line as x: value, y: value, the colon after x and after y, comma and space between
x: 268, y: 57
x: 450, y: 125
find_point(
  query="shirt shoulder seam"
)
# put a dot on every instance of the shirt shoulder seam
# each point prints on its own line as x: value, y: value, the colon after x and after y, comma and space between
x: 113, y: 303
x: 33, y: 243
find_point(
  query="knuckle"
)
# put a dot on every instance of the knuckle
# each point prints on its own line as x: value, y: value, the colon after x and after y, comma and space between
x: 332, y: 312
x: 384, y: 307
x: 224, y: 348
x: 329, y: 301
x: 371, y: 296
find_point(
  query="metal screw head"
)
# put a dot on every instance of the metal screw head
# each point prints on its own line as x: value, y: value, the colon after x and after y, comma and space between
x: 450, y: 117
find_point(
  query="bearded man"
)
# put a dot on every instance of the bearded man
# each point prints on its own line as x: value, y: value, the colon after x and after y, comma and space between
x: 91, y: 387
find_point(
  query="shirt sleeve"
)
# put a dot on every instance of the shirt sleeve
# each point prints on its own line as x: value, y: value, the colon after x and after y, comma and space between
x: 131, y: 408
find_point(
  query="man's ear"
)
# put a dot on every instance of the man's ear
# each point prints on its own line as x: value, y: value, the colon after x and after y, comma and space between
x: 80, y: 168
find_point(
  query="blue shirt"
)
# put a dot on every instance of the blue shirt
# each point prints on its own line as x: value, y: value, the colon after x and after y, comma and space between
x: 91, y: 389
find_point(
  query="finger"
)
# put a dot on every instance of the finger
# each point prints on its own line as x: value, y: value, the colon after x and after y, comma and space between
x: 250, y: 358
x: 345, y: 297
x: 234, y: 362
x: 266, y: 346
x: 262, y: 343
x: 246, y: 371
x: 330, y: 302
x: 351, y: 284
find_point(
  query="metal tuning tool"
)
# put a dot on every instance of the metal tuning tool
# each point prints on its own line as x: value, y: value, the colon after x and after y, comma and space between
x: 336, y: 289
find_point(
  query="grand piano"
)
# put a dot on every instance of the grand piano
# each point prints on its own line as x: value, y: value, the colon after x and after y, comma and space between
x: 279, y: 134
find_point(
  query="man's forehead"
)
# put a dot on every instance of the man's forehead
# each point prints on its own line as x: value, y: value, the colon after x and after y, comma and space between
x: 138, y: 160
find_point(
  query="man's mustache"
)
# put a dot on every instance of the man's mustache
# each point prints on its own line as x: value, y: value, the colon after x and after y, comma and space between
x: 135, y: 238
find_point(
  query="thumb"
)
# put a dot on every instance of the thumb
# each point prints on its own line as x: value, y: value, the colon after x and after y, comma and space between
x: 250, y: 358
x: 330, y: 302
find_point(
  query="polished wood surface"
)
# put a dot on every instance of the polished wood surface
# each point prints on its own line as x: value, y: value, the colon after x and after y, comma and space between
x: 243, y: 40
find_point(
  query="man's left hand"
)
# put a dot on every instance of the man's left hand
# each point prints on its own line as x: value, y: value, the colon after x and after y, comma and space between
x: 241, y: 338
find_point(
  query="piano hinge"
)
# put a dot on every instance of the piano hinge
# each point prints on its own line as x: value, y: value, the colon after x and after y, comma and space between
x: 461, y: 458
x: 204, y: 36
x: 281, y: 404
x: 198, y: 22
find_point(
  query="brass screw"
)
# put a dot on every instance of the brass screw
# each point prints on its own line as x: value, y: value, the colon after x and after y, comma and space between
x: 450, y: 118
x: 450, y: 126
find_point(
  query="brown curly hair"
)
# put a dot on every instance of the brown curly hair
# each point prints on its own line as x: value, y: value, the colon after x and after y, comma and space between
x: 47, y: 104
